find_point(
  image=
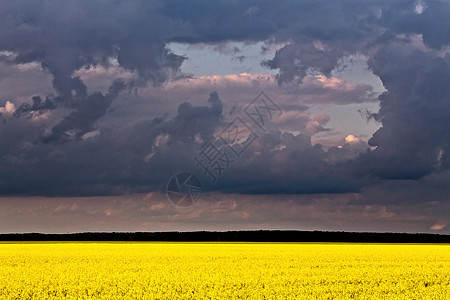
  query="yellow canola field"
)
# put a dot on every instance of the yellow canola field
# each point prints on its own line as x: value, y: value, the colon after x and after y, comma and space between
x: 223, y: 271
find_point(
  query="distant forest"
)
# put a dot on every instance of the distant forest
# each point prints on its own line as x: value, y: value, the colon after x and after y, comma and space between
x: 235, y: 236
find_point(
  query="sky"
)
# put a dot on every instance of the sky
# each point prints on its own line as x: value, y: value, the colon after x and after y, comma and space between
x: 224, y: 115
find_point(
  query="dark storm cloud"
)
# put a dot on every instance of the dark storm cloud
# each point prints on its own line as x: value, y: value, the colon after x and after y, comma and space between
x: 432, y: 22
x: 191, y: 121
x: 117, y: 161
x: 319, y: 32
x: 415, y: 138
x: 81, y: 120
x: 73, y: 156
x: 287, y: 164
x: 222, y: 20
x: 38, y: 105
x: 67, y: 36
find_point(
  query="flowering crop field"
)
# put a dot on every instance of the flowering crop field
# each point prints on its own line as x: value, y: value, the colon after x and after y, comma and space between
x: 224, y: 271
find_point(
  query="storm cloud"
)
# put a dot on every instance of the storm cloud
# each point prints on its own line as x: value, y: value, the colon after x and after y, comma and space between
x: 62, y: 135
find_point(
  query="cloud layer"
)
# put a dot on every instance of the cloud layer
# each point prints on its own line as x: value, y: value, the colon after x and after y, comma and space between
x: 93, y: 101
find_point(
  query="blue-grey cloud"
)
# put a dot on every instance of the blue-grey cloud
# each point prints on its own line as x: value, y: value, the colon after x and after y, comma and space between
x: 65, y: 37
x: 405, y: 47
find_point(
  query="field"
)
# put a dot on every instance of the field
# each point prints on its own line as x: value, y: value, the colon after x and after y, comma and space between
x: 223, y: 271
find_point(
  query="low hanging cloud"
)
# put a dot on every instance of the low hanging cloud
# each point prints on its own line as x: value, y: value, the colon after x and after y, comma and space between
x: 152, y: 212
x: 68, y: 123
x: 414, y: 139
x: 168, y: 145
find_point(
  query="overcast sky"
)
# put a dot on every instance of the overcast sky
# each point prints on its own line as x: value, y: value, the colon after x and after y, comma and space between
x: 308, y: 115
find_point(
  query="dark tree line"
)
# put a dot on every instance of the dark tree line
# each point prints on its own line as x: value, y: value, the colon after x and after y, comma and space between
x: 236, y: 236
